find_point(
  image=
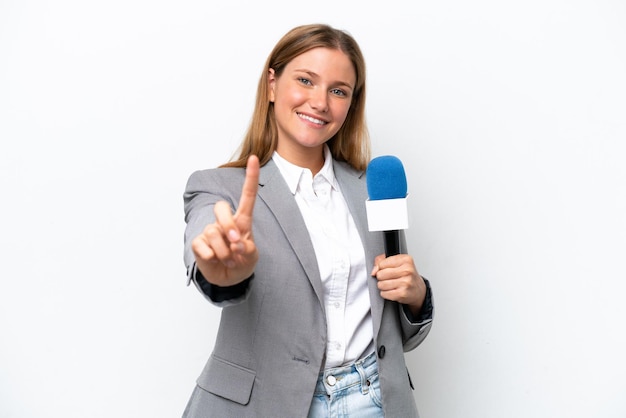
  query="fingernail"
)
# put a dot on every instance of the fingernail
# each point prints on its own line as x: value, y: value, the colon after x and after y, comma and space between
x: 233, y: 235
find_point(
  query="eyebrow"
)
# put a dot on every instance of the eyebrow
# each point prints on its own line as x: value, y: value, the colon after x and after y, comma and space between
x: 314, y: 74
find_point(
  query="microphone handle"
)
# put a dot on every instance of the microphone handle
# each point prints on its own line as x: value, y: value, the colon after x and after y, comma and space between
x: 392, y: 242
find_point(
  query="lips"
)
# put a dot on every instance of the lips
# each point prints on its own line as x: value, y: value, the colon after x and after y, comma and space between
x: 312, y: 119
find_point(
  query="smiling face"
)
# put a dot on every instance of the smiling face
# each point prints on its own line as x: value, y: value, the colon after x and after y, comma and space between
x: 311, y: 99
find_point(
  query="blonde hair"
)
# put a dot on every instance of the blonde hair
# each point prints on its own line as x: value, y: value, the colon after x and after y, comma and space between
x: 351, y: 143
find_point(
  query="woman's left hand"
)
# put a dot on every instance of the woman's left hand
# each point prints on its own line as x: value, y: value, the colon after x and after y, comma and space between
x: 398, y: 280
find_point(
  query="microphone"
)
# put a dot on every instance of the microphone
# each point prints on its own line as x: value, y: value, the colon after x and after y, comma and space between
x: 386, y: 206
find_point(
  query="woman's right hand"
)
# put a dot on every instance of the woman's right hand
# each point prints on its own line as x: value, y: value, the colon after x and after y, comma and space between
x: 225, y: 251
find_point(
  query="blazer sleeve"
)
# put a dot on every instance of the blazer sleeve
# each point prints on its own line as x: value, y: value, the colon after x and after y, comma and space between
x: 199, y: 199
x: 415, y: 329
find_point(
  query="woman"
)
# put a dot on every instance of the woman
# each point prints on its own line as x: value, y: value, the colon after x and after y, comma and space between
x: 315, y: 318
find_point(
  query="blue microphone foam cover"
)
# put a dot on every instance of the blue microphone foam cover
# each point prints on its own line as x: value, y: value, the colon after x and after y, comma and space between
x: 385, y: 178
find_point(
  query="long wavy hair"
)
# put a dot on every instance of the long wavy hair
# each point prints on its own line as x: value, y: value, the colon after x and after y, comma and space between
x: 351, y: 143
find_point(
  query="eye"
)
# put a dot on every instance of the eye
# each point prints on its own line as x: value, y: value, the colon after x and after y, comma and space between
x: 338, y: 92
x: 305, y: 81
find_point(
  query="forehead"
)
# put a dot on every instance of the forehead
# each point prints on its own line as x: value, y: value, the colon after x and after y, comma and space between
x: 325, y: 62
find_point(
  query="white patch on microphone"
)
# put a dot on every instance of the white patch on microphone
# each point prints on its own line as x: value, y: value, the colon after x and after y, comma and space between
x: 387, y: 214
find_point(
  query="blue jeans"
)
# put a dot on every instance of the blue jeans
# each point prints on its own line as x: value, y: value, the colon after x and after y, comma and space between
x: 348, y: 391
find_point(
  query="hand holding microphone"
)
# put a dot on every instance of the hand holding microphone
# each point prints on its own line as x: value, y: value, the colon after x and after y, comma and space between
x: 398, y: 279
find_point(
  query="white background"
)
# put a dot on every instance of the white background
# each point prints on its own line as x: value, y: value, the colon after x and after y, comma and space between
x: 510, y: 118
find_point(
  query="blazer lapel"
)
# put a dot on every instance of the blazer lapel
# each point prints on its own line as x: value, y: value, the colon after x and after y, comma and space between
x: 274, y: 192
x: 355, y: 194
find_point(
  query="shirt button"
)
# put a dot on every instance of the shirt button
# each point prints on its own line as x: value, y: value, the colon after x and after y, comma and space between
x: 331, y: 380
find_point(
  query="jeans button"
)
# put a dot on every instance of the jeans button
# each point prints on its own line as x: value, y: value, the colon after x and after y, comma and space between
x: 331, y: 380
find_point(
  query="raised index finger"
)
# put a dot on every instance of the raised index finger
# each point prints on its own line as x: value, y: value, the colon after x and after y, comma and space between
x: 250, y: 187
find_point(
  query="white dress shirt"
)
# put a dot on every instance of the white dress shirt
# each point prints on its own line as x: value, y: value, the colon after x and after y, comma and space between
x: 340, y: 258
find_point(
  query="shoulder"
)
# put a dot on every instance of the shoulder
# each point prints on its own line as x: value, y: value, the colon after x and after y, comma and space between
x: 342, y: 169
x: 217, y: 173
x: 349, y: 178
x: 216, y: 176
x: 210, y: 185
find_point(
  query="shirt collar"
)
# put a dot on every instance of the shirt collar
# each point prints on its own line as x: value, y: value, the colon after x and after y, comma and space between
x: 292, y: 173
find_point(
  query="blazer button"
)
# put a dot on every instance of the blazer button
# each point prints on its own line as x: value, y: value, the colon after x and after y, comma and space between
x: 381, y: 351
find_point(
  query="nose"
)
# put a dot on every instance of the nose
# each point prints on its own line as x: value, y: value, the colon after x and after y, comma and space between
x: 319, y: 100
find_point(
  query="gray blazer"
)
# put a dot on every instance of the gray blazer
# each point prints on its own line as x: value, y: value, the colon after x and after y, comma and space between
x: 271, y: 342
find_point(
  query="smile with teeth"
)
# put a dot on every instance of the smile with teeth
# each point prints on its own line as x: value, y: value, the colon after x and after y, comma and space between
x: 312, y: 119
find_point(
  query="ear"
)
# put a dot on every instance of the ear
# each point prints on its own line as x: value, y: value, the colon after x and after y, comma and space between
x: 271, y: 79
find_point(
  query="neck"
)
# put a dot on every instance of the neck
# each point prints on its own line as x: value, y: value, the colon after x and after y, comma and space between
x: 311, y: 158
